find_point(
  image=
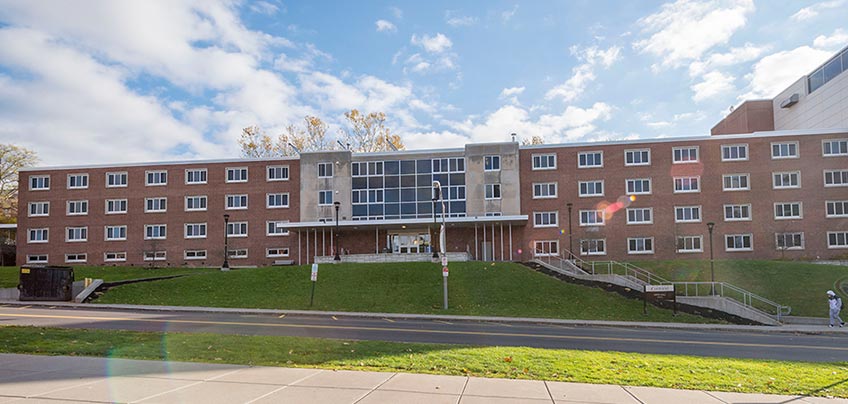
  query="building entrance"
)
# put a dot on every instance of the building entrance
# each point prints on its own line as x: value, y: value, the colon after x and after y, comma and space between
x: 405, y: 243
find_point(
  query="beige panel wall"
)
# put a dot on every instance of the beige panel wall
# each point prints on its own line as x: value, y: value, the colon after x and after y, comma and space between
x: 310, y: 184
x: 476, y: 178
x: 827, y: 107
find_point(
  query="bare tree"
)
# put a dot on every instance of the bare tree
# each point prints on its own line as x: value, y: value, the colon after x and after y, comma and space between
x: 311, y: 136
x: 534, y: 140
x: 368, y: 133
x: 12, y: 159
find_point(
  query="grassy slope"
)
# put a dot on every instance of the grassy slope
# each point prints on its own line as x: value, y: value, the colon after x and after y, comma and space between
x: 504, y: 289
x: 9, y: 275
x: 672, y: 371
x: 797, y: 284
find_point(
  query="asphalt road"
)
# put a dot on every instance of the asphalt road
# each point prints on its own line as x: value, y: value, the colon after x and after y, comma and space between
x: 759, y: 345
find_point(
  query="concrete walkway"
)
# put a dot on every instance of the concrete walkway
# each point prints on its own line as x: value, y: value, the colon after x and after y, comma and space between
x: 57, y: 379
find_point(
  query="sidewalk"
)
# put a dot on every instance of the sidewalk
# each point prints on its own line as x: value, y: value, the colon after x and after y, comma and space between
x: 31, y: 379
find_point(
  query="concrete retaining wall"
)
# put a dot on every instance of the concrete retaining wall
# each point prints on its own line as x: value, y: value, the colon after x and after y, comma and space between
x: 372, y: 258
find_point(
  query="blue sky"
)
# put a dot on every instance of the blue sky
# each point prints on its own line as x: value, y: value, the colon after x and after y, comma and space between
x: 106, y: 81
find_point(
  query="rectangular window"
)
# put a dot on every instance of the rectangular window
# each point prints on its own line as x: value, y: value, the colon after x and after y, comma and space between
x: 788, y: 210
x: 76, y: 234
x: 590, y: 159
x: 276, y: 252
x: 640, y: 215
x: 236, y: 174
x: 687, y: 214
x: 195, y: 230
x: 194, y: 254
x: 155, y: 231
x: 835, y: 147
x: 36, y: 259
x: 690, y: 244
x: 639, y: 186
x: 194, y: 176
x: 738, y: 242
x: 237, y: 229
x: 77, y: 181
x: 640, y: 245
x: 547, y: 248
x: 278, y: 201
x: 837, y: 239
x: 195, y: 203
x: 734, y: 213
x: 76, y: 208
x: 240, y: 253
x: 544, y: 190
x: 544, y: 161
x: 493, y: 191
x: 325, y: 198
x: 155, y: 255
x: 836, y: 208
x: 39, y: 182
x: 117, y: 256
x: 591, y: 188
x: 684, y: 155
x: 734, y: 152
x: 116, y: 206
x: 545, y: 219
x: 157, y: 178
x: 278, y: 228
x: 325, y: 170
x: 785, y: 180
x: 593, y: 247
x: 35, y: 236
x: 789, y: 241
x: 39, y: 209
x: 116, y: 233
x: 736, y: 182
x: 784, y: 150
x: 491, y: 163
x: 591, y: 218
x: 116, y: 180
x: 836, y: 178
x: 687, y: 185
x: 446, y: 165
x: 278, y: 173
x: 236, y: 202
x: 155, y: 205
x: 639, y: 157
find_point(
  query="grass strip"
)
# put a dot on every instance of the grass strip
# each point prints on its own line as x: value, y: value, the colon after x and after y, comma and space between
x: 672, y: 371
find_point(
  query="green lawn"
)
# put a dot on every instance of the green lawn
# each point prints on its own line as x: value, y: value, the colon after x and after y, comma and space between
x: 798, y: 284
x: 502, y: 289
x: 9, y: 275
x: 673, y: 371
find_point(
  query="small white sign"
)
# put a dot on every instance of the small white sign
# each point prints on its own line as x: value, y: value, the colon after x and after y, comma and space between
x: 445, y: 272
x: 314, y: 276
x: 444, y: 260
x: 659, y: 288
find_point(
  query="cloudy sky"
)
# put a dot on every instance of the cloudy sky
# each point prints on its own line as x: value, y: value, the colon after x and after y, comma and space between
x: 117, y: 81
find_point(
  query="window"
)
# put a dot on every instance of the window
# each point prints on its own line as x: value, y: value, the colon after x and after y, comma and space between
x: 835, y: 147
x: 590, y: 159
x: 836, y: 178
x: 639, y: 157
x: 736, y: 182
x: 684, y: 155
x: 591, y: 188
x: 116, y: 233
x: 545, y: 219
x: 737, y: 212
x: 640, y: 245
x: 116, y: 180
x: 325, y: 198
x: 77, y: 181
x: 115, y: 256
x: 492, y: 163
x: 591, y: 218
x: 492, y: 214
x: 278, y: 201
x: 544, y: 190
x: 593, y: 247
x: 116, y: 206
x: 195, y: 230
x: 39, y: 182
x: 734, y: 152
x: 238, y: 253
x: 640, y: 215
x: 76, y: 234
x: 155, y: 231
x: 493, y: 191
x: 784, y: 150
x: 544, y: 161
x: 325, y: 170
x: 194, y: 176
x: 195, y: 203
x: 236, y: 174
x: 235, y: 202
x: 640, y: 186
x: 687, y: 214
x: 278, y: 228
x: 276, y: 252
x: 446, y: 165
x: 155, y: 255
x: 690, y: 244
x: 37, y: 235
x: 39, y: 209
x: 784, y: 180
x: 194, y: 254
x: 157, y: 178
x: 837, y: 239
x: 237, y: 229
x: 737, y: 242
x: 836, y: 208
x: 76, y: 208
x: 547, y: 248
x: 686, y: 184
x: 278, y: 173
x: 787, y: 210
x: 827, y: 72
x: 37, y: 259
x: 155, y: 205
x: 789, y: 241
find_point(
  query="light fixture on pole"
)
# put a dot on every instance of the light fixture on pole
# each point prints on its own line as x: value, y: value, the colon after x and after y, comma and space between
x: 436, y: 195
x: 437, y: 190
x: 337, y: 257
x: 570, y: 246
x: 226, y: 265
x: 710, y: 227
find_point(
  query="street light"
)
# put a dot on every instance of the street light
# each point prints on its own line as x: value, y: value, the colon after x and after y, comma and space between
x: 570, y: 246
x: 437, y: 191
x: 710, y: 227
x: 337, y: 257
x: 436, y: 195
x: 226, y: 266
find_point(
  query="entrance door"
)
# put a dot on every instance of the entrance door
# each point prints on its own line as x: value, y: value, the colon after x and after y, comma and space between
x: 407, y: 243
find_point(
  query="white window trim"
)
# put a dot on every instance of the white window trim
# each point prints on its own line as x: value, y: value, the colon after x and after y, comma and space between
x: 187, y: 258
x: 29, y: 182
x: 793, y: 248
x: 68, y: 208
x: 332, y: 168
x: 556, y: 219
x: 626, y: 164
x: 646, y: 252
x: 156, y: 210
x: 603, y: 221
x: 148, y: 172
x: 797, y: 151
x: 650, y: 186
x: 833, y: 155
x: 747, y: 219
x: 493, y: 157
x: 227, y: 171
x: 541, y: 155
x: 29, y: 259
x: 67, y: 260
x: 82, y: 240
x: 548, y: 254
x: 492, y: 198
x: 29, y: 209
x: 120, y: 212
x: 700, y: 214
x: 554, y: 196
x: 686, y: 191
x: 590, y: 152
x: 226, y: 202
x: 159, y: 237
x: 115, y: 259
x: 282, y: 255
x: 627, y: 216
x: 187, y: 209
x: 331, y: 194
x: 246, y: 228
x: 747, y: 187
x: 119, y: 173
x: 590, y: 253
x: 697, y: 152
x: 750, y: 237
x: 603, y: 189
x: 268, y: 174
x: 774, y: 184
x: 268, y: 205
x: 824, y: 179
x: 800, y: 211
x: 106, y: 232
x: 31, y: 241
x: 196, y: 182
x: 238, y: 257
x: 700, y: 250
x: 185, y: 230
x: 269, y: 234
x: 747, y: 152
x: 155, y: 256
x: 836, y: 247
x: 835, y: 216
x: 87, y: 181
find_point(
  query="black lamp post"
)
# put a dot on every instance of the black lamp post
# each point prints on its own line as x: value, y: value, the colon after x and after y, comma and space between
x: 436, y: 193
x: 338, y: 247
x: 570, y: 246
x: 226, y: 266
x: 710, y: 227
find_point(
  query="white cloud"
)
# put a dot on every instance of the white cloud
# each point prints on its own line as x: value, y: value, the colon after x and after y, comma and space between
x: 659, y: 124
x: 424, y: 64
x: 385, y: 26
x: 459, y: 21
x: 834, y: 42
x: 511, y: 91
x: 508, y: 14
x: 714, y: 83
x: 432, y: 44
x: 777, y: 71
x: 397, y: 12
x: 571, y: 124
x: 734, y: 56
x: 813, y: 11
x: 584, y: 73
x: 264, y: 7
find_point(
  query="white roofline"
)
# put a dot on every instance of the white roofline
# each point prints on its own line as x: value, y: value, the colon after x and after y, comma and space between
x: 8, y: 225
x: 399, y: 222
x: 416, y: 151
x: 160, y: 163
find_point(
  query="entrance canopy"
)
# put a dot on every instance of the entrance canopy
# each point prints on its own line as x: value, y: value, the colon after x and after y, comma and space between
x: 467, y: 221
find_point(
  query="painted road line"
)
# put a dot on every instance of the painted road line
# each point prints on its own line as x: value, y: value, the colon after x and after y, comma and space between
x: 422, y: 331
x: 442, y: 322
x: 334, y: 318
x: 281, y: 316
x: 389, y: 320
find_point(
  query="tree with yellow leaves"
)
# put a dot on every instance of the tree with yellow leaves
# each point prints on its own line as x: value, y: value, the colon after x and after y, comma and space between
x: 12, y: 159
x: 368, y: 133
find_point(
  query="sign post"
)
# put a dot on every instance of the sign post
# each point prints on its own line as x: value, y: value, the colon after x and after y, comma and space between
x: 659, y: 293
x: 445, y: 279
x: 314, y: 278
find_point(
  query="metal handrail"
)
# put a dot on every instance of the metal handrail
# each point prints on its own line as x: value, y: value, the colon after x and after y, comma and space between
x: 722, y: 289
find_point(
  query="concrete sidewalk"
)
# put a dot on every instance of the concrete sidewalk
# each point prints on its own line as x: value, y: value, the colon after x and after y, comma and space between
x: 56, y: 379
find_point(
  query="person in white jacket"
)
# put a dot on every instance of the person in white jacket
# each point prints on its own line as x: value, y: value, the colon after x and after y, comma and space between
x: 835, y: 304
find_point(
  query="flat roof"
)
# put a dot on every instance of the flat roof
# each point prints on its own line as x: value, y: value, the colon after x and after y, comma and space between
x: 406, y: 222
